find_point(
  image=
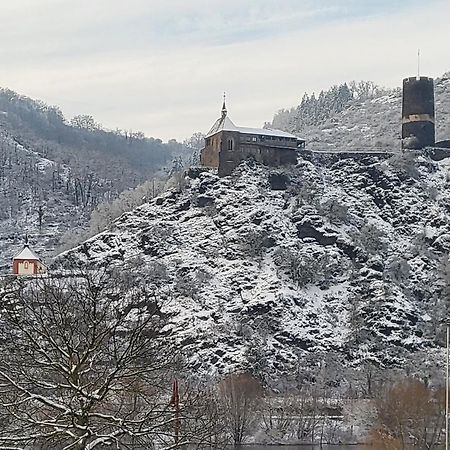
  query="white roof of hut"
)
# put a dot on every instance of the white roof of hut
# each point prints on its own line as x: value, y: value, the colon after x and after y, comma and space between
x: 27, y: 253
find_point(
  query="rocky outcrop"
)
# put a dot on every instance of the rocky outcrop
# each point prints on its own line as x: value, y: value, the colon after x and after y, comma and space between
x: 275, y: 265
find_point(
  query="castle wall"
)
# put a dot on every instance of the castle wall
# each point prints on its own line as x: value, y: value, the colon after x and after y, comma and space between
x: 268, y: 141
x: 328, y: 158
x: 268, y: 155
x: 209, y: 156
x: 229, y: 158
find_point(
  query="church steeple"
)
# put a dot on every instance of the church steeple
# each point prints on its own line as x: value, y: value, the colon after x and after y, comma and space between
x: 224, y: 107
x: 223, y: 122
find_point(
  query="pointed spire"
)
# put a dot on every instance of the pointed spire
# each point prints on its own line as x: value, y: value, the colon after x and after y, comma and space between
x: 26, y: 240
x: 224, y: 106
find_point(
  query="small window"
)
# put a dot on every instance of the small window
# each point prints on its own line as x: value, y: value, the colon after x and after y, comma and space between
x: 254, y: 138
x: 230, y: 144
x: 25, y: 265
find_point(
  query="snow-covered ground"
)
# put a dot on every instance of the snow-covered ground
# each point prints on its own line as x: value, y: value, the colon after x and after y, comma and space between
x: 269, y: 268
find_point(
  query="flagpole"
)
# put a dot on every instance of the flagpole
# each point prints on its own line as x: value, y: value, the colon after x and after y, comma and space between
x: 446, y: 388
x: 176, y: 404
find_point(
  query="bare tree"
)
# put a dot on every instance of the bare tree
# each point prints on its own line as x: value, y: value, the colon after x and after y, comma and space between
x: 85, y: 364
x: 85, y: 122
x: 277, y: 416
x: 240, y: 396
x: 410, y: 415
x: 196, y: 141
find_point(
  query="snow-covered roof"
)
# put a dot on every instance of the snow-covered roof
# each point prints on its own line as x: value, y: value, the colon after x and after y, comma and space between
x: 27, y: 253
x: 266, y: 132
x: 224, y: 123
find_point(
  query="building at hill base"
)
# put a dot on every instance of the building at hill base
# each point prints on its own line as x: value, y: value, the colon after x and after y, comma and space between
x: 26, y: 262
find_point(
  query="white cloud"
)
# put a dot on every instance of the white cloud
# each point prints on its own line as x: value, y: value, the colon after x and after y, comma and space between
x: 87, y: 57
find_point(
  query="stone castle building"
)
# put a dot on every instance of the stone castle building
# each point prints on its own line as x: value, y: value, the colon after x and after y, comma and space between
x: 227, y: 145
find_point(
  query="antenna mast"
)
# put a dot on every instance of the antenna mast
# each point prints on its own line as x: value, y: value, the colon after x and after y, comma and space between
x: 418, y: 63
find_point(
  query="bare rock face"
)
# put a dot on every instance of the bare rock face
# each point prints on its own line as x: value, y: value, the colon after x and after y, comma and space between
x: 269, y: 268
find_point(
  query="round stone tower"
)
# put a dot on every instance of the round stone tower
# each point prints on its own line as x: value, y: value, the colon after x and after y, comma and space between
x: 418, y: 129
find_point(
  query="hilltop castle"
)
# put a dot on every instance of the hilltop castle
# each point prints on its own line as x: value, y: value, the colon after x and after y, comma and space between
x: 227, y: 145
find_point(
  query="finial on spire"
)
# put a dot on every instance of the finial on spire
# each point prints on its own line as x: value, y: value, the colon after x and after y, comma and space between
x: 224, y: 106
x: 26, y: 239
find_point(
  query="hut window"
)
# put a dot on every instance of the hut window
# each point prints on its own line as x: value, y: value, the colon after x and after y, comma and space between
x: 25, y: 264
x: 230, y: 144
x: 254, y: 138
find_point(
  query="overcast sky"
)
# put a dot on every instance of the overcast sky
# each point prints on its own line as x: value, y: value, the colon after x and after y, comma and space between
x: 161, y: 66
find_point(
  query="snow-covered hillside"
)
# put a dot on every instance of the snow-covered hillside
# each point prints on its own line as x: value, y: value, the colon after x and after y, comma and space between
x: 269, y: 268
x: 369, y: 123
x: 35, y: 200
x: 53, y: 172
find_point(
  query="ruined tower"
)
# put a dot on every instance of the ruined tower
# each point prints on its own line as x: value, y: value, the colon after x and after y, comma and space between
x: 418, y: 130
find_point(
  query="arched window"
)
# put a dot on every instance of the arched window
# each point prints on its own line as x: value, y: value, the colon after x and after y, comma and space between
x: 230, y: 144
x: 25, y: 265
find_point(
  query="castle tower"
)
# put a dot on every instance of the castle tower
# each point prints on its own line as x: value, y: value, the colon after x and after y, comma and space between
x: 418, y: 129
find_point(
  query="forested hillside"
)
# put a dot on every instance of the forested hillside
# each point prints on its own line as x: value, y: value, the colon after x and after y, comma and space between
x: 54, y: 172
x: 357, y: 115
